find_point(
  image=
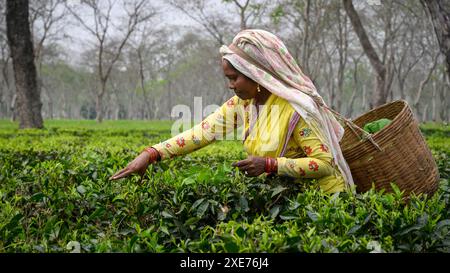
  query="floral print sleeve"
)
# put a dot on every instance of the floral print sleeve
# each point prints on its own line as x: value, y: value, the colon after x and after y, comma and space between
x: 215, y: 126
x: 317, y: 162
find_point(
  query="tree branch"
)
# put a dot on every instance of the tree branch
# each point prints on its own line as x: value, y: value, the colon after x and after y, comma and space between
x: 364, y: 39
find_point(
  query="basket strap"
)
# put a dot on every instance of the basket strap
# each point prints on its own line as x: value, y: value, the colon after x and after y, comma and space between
x: 354, y: 128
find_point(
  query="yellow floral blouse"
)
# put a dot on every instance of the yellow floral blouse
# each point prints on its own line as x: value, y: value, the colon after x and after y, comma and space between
x: 305, y: 156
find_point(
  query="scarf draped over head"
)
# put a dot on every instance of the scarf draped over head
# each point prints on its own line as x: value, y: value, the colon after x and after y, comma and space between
x: 263, y: 57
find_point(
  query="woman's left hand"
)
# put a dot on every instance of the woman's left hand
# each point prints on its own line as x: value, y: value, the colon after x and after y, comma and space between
x: 252, y: 166
x: 138, y: 165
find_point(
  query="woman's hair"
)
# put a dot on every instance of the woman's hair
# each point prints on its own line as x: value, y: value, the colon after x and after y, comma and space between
x: 231, y: 65
x: 235, y: 69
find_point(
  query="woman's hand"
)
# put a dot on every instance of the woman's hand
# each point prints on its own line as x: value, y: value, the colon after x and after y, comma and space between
x: 138, y: 165
x: 252, y: 166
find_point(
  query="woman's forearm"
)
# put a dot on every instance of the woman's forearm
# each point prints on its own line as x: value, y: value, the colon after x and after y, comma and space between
x: 305, y: 167
x: 213, y: 127
x: 184, y: 143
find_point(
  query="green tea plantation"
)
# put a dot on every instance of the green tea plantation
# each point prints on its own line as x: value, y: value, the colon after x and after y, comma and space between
x: 55, y: 196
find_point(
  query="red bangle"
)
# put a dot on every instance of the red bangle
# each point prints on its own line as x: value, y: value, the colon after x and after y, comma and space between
x: 271, y: 165
x: 154, y: 154
x: 275, y: 165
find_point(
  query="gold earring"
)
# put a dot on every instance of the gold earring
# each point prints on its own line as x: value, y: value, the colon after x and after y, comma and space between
x: 257, y: 88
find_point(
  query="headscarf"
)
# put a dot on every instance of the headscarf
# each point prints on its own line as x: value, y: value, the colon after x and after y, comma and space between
x: 263, y: 57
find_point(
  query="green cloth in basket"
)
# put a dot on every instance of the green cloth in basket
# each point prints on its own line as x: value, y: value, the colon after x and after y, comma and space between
x: 377, y: 125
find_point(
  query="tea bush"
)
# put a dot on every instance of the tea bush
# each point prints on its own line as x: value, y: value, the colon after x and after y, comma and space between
x: 55, y: 197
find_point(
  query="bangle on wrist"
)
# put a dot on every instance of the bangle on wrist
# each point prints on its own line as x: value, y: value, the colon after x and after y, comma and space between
x: 271, y: 165
x: 275, y: 165
x: 154, y: 154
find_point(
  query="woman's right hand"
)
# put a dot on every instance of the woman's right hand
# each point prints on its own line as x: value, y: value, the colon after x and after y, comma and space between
x: 138, y: 165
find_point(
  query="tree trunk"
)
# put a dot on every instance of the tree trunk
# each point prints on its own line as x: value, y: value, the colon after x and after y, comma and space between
x: 19, y: 38
x: 13, y: 108
x: 99, y: 102
x: 342, y: 51
x: 50, y: 107
x: 99, y: 108
x: 64, y: 106
x: 416, y: 102
x: 379, y: 95
x: 350, y: 104
x: 355, y: 88
x: 169, y: 93
x: 3, y: 105
x: 155, y: 108
x: 439, y: 11
x: 425, y: 113
x: 7, y: 87
x: 305, y: 45
x: 364, y: 98
x: 434, y: 103
x: 444, y: 97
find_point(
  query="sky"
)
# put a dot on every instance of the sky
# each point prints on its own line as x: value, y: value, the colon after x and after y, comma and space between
x: 76, y: 38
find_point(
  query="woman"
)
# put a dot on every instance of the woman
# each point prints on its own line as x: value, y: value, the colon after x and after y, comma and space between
x: 288, y: 128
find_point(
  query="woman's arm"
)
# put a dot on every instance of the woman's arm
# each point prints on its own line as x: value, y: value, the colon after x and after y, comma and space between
x: 318, y: 161
x: 216, y: 125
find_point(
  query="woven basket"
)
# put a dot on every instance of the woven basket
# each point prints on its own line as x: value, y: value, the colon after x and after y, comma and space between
x: 397, y: 154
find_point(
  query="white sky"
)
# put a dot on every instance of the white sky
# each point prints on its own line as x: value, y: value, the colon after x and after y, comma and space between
x: 77, y: 37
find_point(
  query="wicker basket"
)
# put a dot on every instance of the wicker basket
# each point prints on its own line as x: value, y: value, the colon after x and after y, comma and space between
x: 398, y: 153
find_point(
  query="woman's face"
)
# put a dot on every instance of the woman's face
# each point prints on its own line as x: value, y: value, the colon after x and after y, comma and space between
x: 244, y: 87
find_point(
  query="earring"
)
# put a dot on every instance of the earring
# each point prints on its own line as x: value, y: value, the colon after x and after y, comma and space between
x: 257, y: 88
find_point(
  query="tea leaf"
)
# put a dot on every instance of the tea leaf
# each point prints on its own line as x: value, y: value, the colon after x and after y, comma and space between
x: 202, y: 209
x: 231, y: 247
x: 313, y: 216
x: 81, y: 189
x: 240, y: 232
x: 274, y: 211
x: 198, y: 202
x: 166, y: 214
x: 277, y: 190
